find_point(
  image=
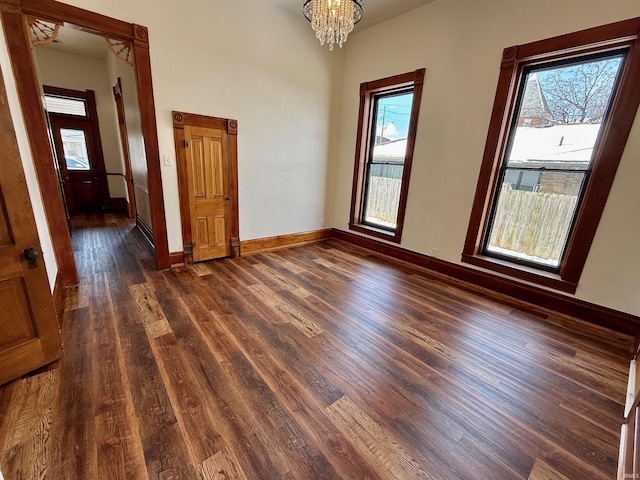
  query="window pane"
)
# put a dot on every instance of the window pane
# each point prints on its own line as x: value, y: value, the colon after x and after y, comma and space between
x: 391, y: 125
x: 383, y: 195
x: 75, y: 149
x: 67, y: 106
x: 384, y: 176
x: 532, y: 225
x: 555, y: 131
x: 560, y: 115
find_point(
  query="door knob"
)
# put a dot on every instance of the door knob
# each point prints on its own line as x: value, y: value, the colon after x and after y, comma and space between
x: 228, y: 197
x: 31, y: 255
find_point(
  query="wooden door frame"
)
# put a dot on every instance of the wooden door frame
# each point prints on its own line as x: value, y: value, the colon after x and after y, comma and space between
x: 124, y: 141
x: 14, y: 20
x: 180, y: 119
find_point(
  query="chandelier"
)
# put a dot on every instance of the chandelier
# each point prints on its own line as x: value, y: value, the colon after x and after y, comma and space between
x: 332, y: 20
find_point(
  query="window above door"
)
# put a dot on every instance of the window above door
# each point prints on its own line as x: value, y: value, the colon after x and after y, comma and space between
x: 65, y: 106
x: 63, y: 101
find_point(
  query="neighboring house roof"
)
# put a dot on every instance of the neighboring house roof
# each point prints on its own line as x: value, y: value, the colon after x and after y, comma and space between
x: 393, y: 151
x: 559, y: 144
x: 534, y: 103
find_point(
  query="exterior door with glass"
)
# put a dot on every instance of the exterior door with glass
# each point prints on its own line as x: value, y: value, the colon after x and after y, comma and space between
x: 77, y: 161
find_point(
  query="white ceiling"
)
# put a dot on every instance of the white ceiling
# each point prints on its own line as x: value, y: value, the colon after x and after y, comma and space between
x: 77, y: 42
x: 375, y: 11
x: 82, y: 43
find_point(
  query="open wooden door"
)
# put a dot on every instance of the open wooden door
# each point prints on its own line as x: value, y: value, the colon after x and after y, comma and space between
x: 124, y: 142
x: 29, y: 333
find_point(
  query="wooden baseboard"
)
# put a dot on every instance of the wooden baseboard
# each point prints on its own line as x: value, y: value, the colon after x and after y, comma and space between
x: 176, y: 259
x: 59, y: 293
x: 118, y: 204
x: 622, y: 322
x: 258, y: 245
x: 145, y: 229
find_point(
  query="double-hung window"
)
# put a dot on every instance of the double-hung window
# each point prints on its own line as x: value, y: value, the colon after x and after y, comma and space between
x: 387, y: 125
x: 563, y: 110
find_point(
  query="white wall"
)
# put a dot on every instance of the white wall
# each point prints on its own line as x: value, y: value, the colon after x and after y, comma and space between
x: 27, y: 162
x: 59, y: 69
x: 460, y: 43
x: 261, y: 65
x: 252, y: 61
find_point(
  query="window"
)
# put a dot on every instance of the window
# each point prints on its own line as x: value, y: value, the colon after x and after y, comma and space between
x: 74, y: 145
x: 552, y: 152
x: 387, y: 125
x: 67, y: 106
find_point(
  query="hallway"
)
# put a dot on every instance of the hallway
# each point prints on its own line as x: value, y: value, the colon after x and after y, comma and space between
x: 323, y: 361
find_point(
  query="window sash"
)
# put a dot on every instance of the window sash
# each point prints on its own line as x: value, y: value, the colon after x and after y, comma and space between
x: 387, y: 210
x: 525, y: 235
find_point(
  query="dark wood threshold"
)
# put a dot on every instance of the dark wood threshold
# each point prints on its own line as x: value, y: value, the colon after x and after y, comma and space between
x: 473, y: 279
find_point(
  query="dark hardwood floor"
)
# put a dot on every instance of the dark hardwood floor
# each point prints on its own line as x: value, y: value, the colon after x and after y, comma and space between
x: 317, y: 362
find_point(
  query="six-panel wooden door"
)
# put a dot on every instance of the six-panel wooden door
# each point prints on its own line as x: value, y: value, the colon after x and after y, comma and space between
x: 209, y: 197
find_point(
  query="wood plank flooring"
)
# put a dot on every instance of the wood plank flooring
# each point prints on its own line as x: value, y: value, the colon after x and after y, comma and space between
x: 318, y: 362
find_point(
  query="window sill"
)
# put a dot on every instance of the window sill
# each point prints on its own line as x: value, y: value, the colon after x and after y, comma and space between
x: 539, y: 277
x: 375, y: 232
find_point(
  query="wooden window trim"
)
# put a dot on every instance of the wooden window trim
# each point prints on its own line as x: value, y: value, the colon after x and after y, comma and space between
x: 413, y: 79
x: 614, y: 134
x: 65, y: 92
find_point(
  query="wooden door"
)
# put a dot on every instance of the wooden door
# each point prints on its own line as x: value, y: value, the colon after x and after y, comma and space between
x: 209, y: 196
x: 124, y: 141
x: 29, y: 334
x: 77, y: 158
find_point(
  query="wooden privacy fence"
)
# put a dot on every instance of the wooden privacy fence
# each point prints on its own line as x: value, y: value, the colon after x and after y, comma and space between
x: 383, y: 198
x: 532, y: 223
